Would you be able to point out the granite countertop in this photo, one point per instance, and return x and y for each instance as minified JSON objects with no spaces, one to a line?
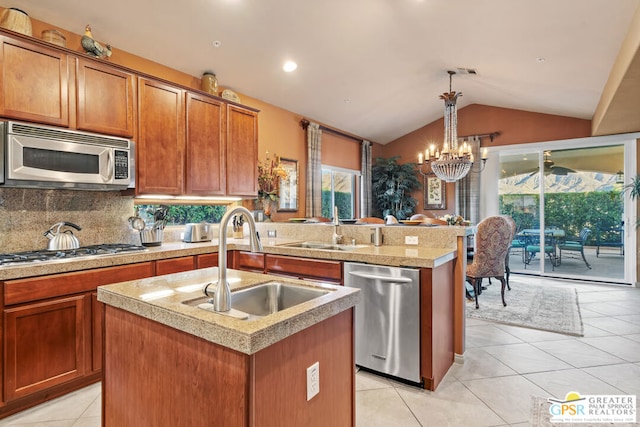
{"x":396,"y":256}
{"x":160,"y":299}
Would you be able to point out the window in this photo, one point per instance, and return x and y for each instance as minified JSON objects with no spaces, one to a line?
{"x":339,"y":189}
{"x":183,"y":214}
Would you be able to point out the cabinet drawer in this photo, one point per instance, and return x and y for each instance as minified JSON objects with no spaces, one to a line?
{"x":174,"y":265}
{"x":304,"y":268}
{"x":206,"y":260}
{"x":39,"y":288}
{"x":248,"y":261}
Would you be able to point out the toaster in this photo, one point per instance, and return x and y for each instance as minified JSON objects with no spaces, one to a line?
{"x":200,"y":232}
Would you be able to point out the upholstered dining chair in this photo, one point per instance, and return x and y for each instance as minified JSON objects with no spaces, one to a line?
{"x":512,"y":242}
{"x":492,"y":240}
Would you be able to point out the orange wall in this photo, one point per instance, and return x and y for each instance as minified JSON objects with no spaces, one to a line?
{"x":515,"y":127}
{"x":340,"y":151}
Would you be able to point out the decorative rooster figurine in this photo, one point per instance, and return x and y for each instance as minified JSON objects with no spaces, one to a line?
{"x":92,"y":47}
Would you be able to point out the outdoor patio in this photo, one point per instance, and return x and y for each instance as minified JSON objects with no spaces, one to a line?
{"x":608,"y":266}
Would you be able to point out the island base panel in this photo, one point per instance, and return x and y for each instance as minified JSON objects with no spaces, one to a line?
{"x":158,"y":376}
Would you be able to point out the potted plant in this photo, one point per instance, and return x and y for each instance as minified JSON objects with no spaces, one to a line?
{"x":392,"y":185}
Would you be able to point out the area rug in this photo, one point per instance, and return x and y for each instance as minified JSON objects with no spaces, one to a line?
{"x":540,"y":416}
{"x":538,"y":306}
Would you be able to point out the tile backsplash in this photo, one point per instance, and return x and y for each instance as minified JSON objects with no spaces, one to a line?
{"x":25,"y":214}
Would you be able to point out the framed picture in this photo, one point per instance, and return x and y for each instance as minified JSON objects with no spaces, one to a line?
{"x":289,"y":186}
{"x":434,"y":193}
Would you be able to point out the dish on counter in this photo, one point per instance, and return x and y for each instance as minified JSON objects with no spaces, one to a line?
{"x":411,"y":221}
{"x":348,"y":221}
{"x":297,"y":219}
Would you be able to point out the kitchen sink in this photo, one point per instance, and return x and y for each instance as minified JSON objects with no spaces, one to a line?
{"x":264,"y":299}
{"x":320,"y":245}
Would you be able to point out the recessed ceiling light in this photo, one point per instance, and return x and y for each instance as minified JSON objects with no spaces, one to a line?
{"x":540,"y":59}
{"x":217,"y":43}
{"x":289,"y":66}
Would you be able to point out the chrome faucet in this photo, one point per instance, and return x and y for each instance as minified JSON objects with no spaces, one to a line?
{"x":336,"y":238}
{"x":222,"y":297}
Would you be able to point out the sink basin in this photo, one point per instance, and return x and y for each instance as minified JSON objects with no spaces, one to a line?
{"x":320,"y":245}
{"x":266,"y":298}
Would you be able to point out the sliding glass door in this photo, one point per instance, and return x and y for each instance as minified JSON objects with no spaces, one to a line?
{"x":574,"y":218}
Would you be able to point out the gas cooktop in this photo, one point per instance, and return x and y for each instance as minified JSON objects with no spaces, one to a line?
{"x":84,"y":251}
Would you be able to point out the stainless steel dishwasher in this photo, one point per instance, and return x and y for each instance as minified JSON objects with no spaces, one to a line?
{"x":387,"y":326}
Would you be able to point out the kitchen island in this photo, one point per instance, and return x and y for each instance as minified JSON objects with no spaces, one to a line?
{"x":170,"y":363}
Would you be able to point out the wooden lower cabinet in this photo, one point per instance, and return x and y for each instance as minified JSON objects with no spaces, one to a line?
{"x":436,"y":323}
{"x":44,"y":345}
{"x":51,"y":333}
{"x":157,"y":375}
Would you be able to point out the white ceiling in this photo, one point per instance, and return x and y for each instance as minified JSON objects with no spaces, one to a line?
{"x":388,"y":57}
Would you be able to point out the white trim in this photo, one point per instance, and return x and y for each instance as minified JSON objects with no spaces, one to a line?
{"x":489,"y":191}
{"x":343,"y":170}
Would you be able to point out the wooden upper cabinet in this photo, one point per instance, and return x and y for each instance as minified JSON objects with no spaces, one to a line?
{"x":33,"y":83}
{"x":105,"y":99}
{"x":161,"y":136}
{"x":242,"y":151}
{"x":205,"y":156}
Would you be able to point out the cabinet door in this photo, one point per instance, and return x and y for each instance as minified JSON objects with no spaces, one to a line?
{"x":160,"y":147}
{"x":33,"y":83}
{"x":105,"y":99}
{"x":242,"y":152}
{"x":205,"y":146}
{"x":44,"y":345}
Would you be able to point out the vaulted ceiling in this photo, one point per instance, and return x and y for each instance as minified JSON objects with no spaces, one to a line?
{"x":375,"y":68}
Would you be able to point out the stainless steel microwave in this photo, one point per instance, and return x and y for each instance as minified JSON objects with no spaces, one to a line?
{"x":36,"y":156}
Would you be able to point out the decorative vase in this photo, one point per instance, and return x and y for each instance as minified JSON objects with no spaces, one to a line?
{"x":267,"y":207}
{"x":209,"y":83}
{"x":16,"y":20}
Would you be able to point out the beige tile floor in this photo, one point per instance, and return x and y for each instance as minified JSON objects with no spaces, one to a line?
{"x":504,"y":366}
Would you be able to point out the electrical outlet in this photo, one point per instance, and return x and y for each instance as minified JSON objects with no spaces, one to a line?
{"x":313,"y":380}
{"x":410,"y":240}
{"x":271,"y":233}
{"x":181,"y":236}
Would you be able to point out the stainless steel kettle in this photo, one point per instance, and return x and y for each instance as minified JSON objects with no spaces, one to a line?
{"x":62,"y":240}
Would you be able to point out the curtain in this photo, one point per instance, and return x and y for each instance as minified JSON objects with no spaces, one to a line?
{"x":468,"y":188}
{"x":365,"y":180}
{"x":314,"y":171}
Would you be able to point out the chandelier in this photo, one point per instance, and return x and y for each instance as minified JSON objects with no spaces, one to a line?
{"x":452,"y":162}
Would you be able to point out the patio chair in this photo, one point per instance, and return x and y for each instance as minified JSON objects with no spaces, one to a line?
{"x":533,"y":247}
{"x":575,"y":245}
{"x":492,"y":240}
{"x":610,"y":237}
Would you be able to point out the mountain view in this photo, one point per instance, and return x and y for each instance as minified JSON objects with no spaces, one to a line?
{"x":580,"y":182}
